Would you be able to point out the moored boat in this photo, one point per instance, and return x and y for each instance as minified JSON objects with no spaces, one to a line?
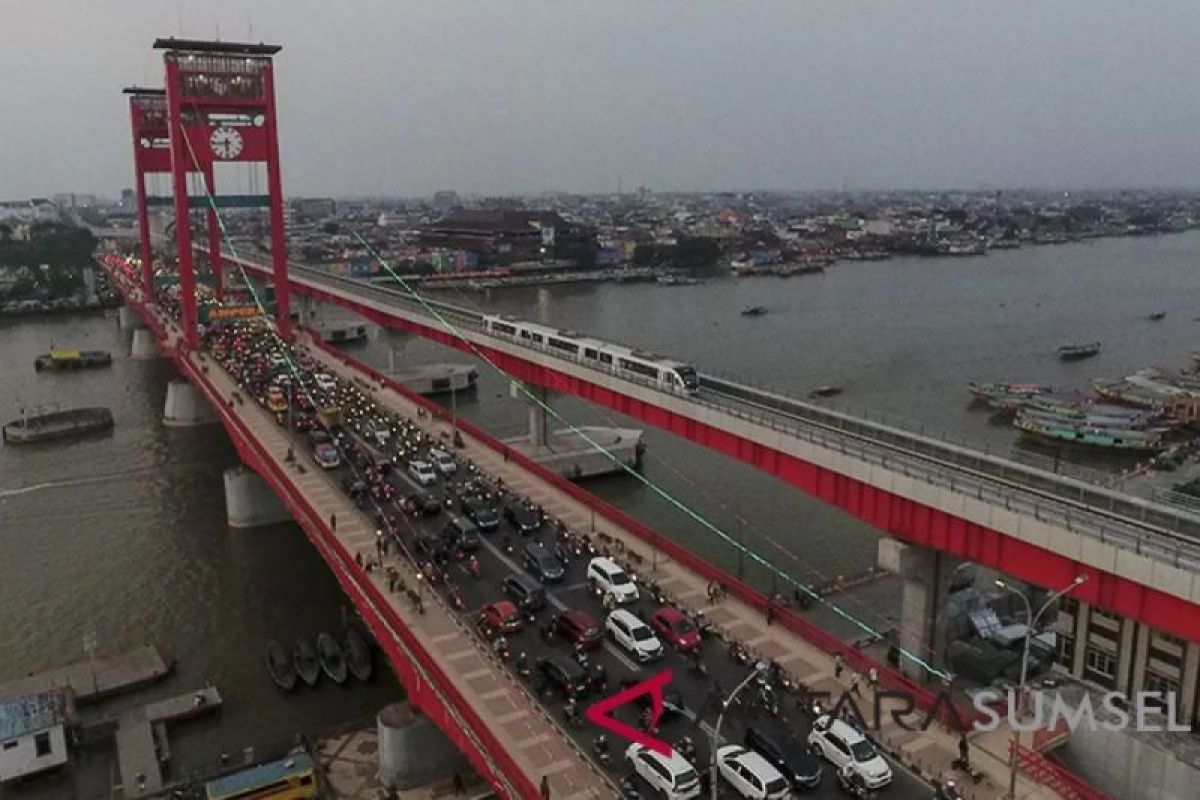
{"x":67,"y":360}
{"x":1157,"y":316}
{"x":358,"y":655}
{"x":1062,"y":431}
{"x":41,"y":425}
{"x":828,"y":390}
{"x":1006,"y":398}
{"x":308,"y":666}
{"x":280,"y":666}
{"x":333,"y":660}
{"x":1074,"y":352}
{"x":754,"y":311}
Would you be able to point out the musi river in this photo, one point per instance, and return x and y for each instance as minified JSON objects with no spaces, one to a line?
{"x":125,"y":535}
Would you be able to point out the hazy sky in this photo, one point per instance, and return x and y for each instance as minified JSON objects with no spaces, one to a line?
{"x":405,"y":97}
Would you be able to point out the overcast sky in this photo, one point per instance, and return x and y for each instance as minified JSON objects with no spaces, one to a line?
{"x":405,"y":98}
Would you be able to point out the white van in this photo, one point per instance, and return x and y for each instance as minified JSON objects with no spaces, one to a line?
{"x":844,"y":746}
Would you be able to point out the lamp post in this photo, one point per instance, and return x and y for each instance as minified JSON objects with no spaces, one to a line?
{"x":1031,"y":620}
{"x":715,"y":740}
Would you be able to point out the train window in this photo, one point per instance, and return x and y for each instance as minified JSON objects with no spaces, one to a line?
{"x":589,"y":353}
{"x":638,"y":368}
{"x":559,"y":344}
{"x":605,"y":358}
{"x":503,"y":327}
{"x":525,"y":334}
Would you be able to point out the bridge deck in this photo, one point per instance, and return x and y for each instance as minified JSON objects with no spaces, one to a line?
{"x":533,"y":741}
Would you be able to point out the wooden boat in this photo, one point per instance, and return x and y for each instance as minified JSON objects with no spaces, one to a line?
{"x":754,"y":311}
{"x":333,"y":660}
{"x":358,"y":655}
{"x":42,"y":425}
{"x":828,"y":390}
{"x":1074,"y":352}
{"x":305,"y":660}
{"x":1157,"y":315}
{"x":63,"y":360}
{"x":280,"y":666}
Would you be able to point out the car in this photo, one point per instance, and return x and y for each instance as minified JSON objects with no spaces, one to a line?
{"x":327,"y":456}
{"x":671,"y":775}
{"x":792,"y":759}
{"x":378,"y":433}
{"x":565,"y":674}
{"x":751,"y":775}
{"x":523,"y":590}
{"x":460,"y":534}
{"x":481,"y":512}
{"x":325,"y":382}
{"x":422,"y":472}
{"x":606,"y":577}
{"x":430,"y":548}
{"x":443,"y":461}
{"x":673,"y":626}
{"x":543,"y":564}
{"x":500,"y":616}
{"x":522,"y":517}
{"x":578,"y":628}
{"x":842,"y":746}
{"x":422,"y":503}
{"x":633,"y":635}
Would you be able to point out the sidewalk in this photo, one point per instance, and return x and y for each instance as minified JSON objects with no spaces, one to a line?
{"x":927,"y":752}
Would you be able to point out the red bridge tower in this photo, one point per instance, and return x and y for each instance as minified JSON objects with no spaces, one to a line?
{"x":220,"y":101}
{"x":151,"y":154}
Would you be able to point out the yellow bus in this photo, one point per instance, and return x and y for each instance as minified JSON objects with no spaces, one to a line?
{"x":290,"y":778}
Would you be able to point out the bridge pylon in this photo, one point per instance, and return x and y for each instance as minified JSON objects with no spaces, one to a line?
{"x":220,"y":100}
{"x":151,"y":155}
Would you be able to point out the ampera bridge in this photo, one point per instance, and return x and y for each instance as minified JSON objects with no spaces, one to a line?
{"x":938,"y":503}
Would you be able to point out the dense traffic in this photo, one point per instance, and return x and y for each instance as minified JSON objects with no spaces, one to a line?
{"x":574,"y":614}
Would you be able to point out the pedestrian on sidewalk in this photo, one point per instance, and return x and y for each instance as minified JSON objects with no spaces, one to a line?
{"x":854,"y":690}
{"x":964,"y":752}
{"x":770,"y":611}
{"x":545,"y":787}
{"x":837,"y":666}
{"x":333,"y":522}
{"x":873,"y":678}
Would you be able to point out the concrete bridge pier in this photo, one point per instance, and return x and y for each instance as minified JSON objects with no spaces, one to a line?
{"x":928,"y":575}
{"x":185,"y":406}
{"x":144,"y":346}
{"x":128,"y":319}
{"x":249,"y":500}
{"x":538,"y":416}
{"x":412,"y":751}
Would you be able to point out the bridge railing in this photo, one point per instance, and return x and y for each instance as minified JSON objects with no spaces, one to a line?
{"x":1130,"y":523}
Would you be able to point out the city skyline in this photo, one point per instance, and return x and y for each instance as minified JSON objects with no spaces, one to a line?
{"x":522,"y":98}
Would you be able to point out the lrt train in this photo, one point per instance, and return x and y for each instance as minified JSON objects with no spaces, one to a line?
{"x":637,"y":365}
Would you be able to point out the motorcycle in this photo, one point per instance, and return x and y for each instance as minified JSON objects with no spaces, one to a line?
{"x":687,"y":748}
{"x":600,"y":748}
{"x":501,"y":649}
{"x":850,"y":783}
{"x":572,"y":714}
{"x":474,"y":567}
{"x":698,"y":664}
{"x":522,"y":666}
{"x":598,"y":677}
{"x":549,"y":632}
{"x":703,"y":625}
{"x":767,"y":700}
{"x":457,"y":602}
{"x":947,"y":791}
{"x":629,"y":789}
{"x":738,"y":653}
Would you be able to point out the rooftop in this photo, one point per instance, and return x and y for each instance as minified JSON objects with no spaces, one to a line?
{"x":207,"y":46}
{"x":32,"y":713}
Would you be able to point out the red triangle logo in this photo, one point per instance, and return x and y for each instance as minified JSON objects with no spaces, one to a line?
{"x":598,"y":713}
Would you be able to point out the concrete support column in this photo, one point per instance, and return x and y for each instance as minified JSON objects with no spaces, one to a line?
{"x":539,"y":431}
{"x":144,"y":346}
{"x":128,"y":319}
{"x":249,"y":501}
{"x":1082,"y":621}
{"x":412,"y":751}
{"x":927,"y":575}
{"x":1187,"y":683}
{"x":185,"y":406}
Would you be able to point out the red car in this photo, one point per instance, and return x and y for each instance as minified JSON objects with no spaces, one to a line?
{"x":500,"y":616}
{"x":577,"y":627}
{"x":674,"y":627}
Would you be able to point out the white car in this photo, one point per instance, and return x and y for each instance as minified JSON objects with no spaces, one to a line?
{"x":750,"y":774}
{"x":843,"y":746}
{"x":380,"y":433}
{"x":633,"y":635}
{"x":325,"y":382}
{"x":422,"y":472}
{"x":671,"y":775}
{"x":443,"y":461}
{"x":606,"y":577}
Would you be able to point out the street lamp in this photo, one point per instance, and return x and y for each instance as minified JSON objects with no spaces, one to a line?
{"x":1031,"y":620}
{"x":760,"y":668}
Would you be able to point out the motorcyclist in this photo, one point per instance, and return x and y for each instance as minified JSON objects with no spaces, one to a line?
{"x":522,"y":664}
{"x":851,"y":781}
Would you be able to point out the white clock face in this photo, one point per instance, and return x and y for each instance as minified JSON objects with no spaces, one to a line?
{"x":226,"y":143}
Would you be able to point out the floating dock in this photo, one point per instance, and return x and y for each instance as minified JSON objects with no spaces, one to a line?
{"x":429,"y":379}
{"x":573,"y":457}
{"x":142,"y":746}
{"x":97,"y":679}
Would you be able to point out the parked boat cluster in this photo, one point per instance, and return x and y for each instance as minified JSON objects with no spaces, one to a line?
{"x":1150,"y":411}
{"x":336,"y":659}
